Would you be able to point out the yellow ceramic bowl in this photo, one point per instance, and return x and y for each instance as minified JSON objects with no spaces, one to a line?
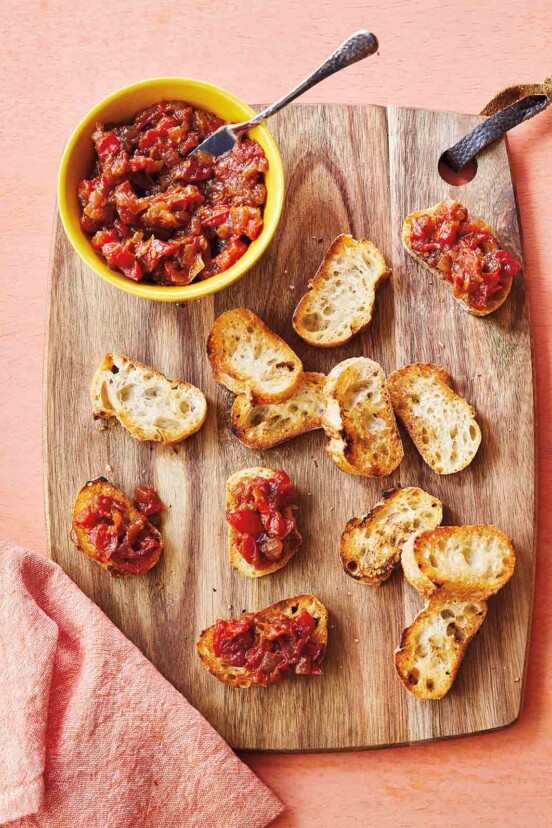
{"x":122,"y":106}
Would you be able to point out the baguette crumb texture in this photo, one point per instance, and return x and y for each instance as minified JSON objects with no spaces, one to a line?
{"x":340,"y":299}
{"x":457,"y":568}
{"x":248,"y":358}
{"x":267,"y":425}
{"x":433,"y":646}
{"x":236,"y":558}
{"x":441,"y":424}
{"x":358,"y":419}
{"x":371,"y":546}
{"x":239,"y":676}
{"x":148,"y":404}
{"x":465,"y":561}
{"x":499,"y":299}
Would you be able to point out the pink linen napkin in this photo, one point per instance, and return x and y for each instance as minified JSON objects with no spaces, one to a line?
{"x":91,"y":735}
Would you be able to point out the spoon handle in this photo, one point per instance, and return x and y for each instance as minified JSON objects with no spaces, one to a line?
{"x":358,"y":46}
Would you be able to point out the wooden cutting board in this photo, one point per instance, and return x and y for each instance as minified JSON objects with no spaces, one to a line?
{"x":349,"y":169}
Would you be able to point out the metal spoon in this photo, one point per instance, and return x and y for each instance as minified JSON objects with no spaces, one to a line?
{"x":360,"y":45}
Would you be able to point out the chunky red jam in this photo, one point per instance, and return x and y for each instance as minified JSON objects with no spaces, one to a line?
{"x":147,"y":500}
{"x":466,"y":252}
{"x":270,"y":649}
{"x":263,"y":520}
{"x":125,"y":542}
{"x":156,"y":213}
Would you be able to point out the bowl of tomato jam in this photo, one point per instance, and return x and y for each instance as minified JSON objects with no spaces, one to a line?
{"x":154,"y":220}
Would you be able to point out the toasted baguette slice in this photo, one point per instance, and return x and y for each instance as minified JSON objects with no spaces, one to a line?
{"x":359,"y":420}
{"x":265,"y":426}
{"x":236,"y":558}
{"x":441,"y":424}
{"x":146,"y":403}
{"x":114,"y":565}
{"x":467,"y":561}
{"x":248,"y":358}
{"x":494,"y":302}
{"x":433,"y":646}
{"x":371,"y":546}
{"x":340,"y":298}
{"x":241,"y":676}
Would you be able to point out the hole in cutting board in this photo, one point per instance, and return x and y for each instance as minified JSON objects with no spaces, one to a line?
{"x":458,"y":179}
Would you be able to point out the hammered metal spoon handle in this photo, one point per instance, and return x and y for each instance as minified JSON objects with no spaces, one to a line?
{"x":360,"y":45}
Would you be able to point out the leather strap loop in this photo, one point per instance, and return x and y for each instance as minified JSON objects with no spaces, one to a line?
{"x":509,"y":108}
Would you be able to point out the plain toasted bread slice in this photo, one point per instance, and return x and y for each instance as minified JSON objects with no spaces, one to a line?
{"x":433,"y":646}
{"x":248,"y":358}
{"x":371,"y":546}
{"x":101,"y":486}
{"x":359,"y":420}
{"x":340,"y":298}
{"x":465,"y":561}
{"x":265,"y":426}
{"x":441,"y":424}
{"x":240,"y":676}
{"x":493,"y":304}
{"x":236,"y":558}
{"x":145,"y":402}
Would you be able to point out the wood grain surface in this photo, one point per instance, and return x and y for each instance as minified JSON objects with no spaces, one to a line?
{"x":349,"y":169}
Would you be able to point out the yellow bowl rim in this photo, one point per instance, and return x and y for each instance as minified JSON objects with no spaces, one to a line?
{"x":164,"y":293}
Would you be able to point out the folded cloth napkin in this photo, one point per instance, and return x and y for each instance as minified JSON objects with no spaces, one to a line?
{"x":91,"y":735}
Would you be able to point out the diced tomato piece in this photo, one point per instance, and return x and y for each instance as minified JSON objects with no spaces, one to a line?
{"x":150,"y":115}
{"x":250,"y":156}
{"x":197,"y":167}
{"x":88,"y":225}
{"x":129,"y":206}
{"x":249,"y":550}
{"x":270,"y":548}
{"x":146,"y":543}
{"x":275,"y":524}
{"x":285,"y":490}
{"x":254,"y":657}
{"x":245,"y":520}
{"x":106,"y":143}
{"x":147,"y":500}
{"x":305,"y":623}
{"x":507,"y":264}
{"x":143,"y":163}
{"x":233,"y":251}
{"x":121,"y":228}
{"x":104,"y":236}
{"x":214,"y":216}
{"x":447,"y":232}
{"x":105,"y":540}
{"x":85,"y":189}
{"x":122,"y":259}
{"x":152,"y":251}
{"x":205,"y":122}
{"x":100,"y":508}
{"x":232,"y":639}
{"x":150,"y":138}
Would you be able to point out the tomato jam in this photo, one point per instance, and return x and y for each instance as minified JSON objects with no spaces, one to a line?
{"x":156,"y":213}
{"x":125,"y":542}
{"x":466,"y":252}
{"x":147,"y":500}
{"x":262,"y":518}
{"x":269,"y":649}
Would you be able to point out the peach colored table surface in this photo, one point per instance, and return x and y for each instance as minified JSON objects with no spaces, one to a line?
{"x":57,"y":60}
